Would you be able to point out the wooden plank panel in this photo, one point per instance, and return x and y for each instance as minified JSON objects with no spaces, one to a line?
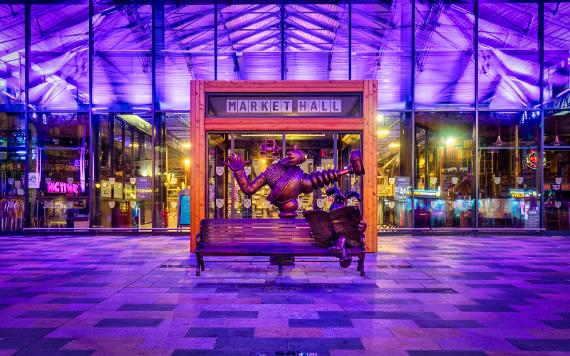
{"x":370,"y":196}
{"x":197,"y":158}
{"x":284,"y":124}
{"x":291,"y":86}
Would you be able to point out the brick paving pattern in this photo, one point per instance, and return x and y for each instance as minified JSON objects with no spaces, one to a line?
{"x":434,"y":295}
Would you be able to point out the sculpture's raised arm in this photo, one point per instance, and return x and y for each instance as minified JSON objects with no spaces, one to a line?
{"x":236,"y":164}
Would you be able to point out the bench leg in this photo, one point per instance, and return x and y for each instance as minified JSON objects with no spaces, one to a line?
{"x":360,"y":267}
{"x":280,"y":267}
{"x":202,"y":266}
{"x":198,"y":265}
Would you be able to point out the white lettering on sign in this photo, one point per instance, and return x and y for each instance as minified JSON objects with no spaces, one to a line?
{"x":283,"y":106}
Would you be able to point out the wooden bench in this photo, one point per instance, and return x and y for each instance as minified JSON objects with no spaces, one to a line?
{"x":277,"y":238}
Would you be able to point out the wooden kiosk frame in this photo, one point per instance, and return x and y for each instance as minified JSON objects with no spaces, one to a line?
{"x":200,"y":125}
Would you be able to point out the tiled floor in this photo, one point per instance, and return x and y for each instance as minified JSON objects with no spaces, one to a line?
{"x":110,"y":295}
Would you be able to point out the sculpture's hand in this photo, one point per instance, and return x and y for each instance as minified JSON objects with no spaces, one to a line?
{"x":361,"y":226}
{"x":236,"y":163}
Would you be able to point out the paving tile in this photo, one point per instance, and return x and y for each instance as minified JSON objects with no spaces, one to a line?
{"x":485,"y":308}
{"x":446,"y":353}
{"x":223,"y":314}
{"x":127,"y":323}
{"x":25,"y":332}
{"x":220,"y":332}
{"x":452,"y":324}
{"x":321,"y":323}
{"x":541,"y":344}
{"x":50,"y":314}
{"x":147,"y":307}
{"x":71,"y":300}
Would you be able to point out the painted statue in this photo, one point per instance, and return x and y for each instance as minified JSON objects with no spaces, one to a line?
{"x":286,"y":179}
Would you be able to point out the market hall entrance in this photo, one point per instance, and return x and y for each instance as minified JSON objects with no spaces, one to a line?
{"x":262,"y":120}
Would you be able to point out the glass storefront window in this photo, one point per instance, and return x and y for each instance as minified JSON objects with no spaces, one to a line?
{"x":12,"y":58}
{"x":557,"y":188}
{"x":59,"y":57}
{"x":557,"y":170}
{"x":508,"y":195}
{"x":12,"y":183}
{"x":219,"y":146}
{"x":508,"y":162}
{"x":316,"y":49}
{"x":12,"y":129}
{"x":122,"y":61}
{"x":391,"y":66}
{"x":444,"y":186}
{"x":175,"y":168}
{"x":58,"y":184}
{"x":509,"y":67}
{"x":557,"y":128}
{"x":123,"y":187}
{"x":514,"y":129}
{"x":393,"y":155}
{"x":556,"y":47}
{"x":445,"y":63}
{"x":257,"y":42}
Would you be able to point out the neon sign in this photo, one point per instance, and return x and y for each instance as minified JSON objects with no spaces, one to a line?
{"x":532,"y":159}
{"x":63,"y":188}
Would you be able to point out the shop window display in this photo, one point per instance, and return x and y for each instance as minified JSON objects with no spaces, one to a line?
{"x":12,"y":130}
{"x":123,"y":187}
{"x":175,"y":167}
{"x":508,"y":165}
{"x":557,"y":170}
{"x":444,"y":194}
{"x":393,"y":154}
{"x":12,"y":175}
{"x":58,"y":185}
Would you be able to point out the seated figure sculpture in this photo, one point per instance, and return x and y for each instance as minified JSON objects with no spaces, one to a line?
{"x":287,"y":180}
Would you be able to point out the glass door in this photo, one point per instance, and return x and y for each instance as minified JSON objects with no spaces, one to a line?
{"x":12,"y":173}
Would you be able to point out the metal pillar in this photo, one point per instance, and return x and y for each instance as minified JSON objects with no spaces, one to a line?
{"x":27,"y":47}
{"x":476,"y":98}
{"x":540,"y":165}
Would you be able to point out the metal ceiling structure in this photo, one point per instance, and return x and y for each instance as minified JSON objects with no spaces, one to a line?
{"x":145,"y":52}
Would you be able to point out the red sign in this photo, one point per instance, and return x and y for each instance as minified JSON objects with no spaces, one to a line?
{"x":63,"y":188}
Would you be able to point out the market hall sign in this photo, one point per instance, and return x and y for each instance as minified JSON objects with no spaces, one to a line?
{"x":279,"y":105}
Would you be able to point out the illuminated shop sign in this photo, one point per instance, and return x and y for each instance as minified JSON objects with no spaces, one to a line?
{"x":279,"y":105}
{"x":426,"y":193}
{"x":521,"y":193}
{"x":63,"y":188}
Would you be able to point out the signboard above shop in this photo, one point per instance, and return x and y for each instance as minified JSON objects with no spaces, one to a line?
{"x":266,"y":105}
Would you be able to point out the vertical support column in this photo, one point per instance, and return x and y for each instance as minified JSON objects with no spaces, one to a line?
{"x":370,"y":180}
{"x":232,"y":204}
{"x":27,"y":39}
{"x":93,"y":131}
{"x":540,"y":165}
{"x":413,"y":106}
{"x":476,"y":97}
{"x":216,"y":40}
{"x":158,"y":129}
{"x":198,"y":158}
{"x":349,"y":39}
{"x":282,"y":29}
